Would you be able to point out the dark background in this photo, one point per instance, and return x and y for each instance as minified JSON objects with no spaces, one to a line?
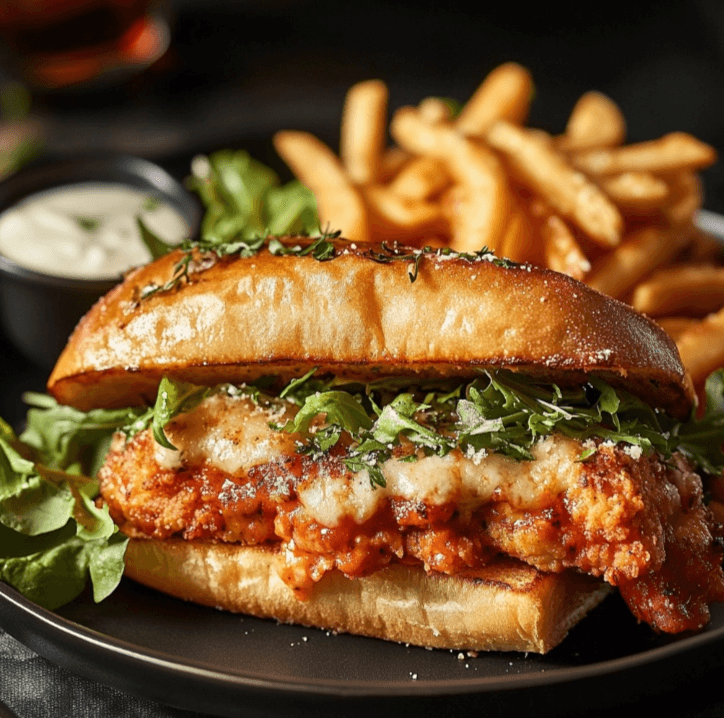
{"x":239,"y":70}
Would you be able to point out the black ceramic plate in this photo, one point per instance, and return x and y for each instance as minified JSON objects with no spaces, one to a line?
{"x":191,"y":657}
{"x":188,"y":656}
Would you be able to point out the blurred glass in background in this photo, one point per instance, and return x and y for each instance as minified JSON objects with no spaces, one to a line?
{"x":64,"y":44}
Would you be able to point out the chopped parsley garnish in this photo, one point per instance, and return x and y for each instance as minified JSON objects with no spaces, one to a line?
{"x":88,"y":224}
{"x":150,"y":204}
{"x":390,"y":253}
{"x":247,"y":210}
{"x":500,"y":412}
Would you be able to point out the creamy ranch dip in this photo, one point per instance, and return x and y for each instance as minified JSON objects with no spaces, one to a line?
{"x":86,"y":230}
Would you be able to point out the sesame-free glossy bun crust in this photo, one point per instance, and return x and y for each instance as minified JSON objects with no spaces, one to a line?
{"x":505,"y":606}
{"x":242,"y":318}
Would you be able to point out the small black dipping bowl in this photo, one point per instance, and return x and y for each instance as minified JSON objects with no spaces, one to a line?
{"x":39,"y":311}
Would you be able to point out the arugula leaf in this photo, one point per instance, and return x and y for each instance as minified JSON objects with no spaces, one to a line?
{"x":106,"y":564}
{"x":50,"y":572}
{"x":501,"y":412}
{"x":290,"y":209}
{"x":290,"y":389}
{"x":28,"y":503}
{"x":701,"y":439}
{"x":62,"y":436}
{"x":245,"y":200}
{"x":397,"y":418}
{"x":174,"y":397}
{"x":339,"y":408}
{"x":53,"y":568}
{"x":53,"y":537}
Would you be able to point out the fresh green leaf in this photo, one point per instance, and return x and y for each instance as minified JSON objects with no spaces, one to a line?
{"x":500,"y":412}
{"x":701,"y":439}
{"x":53,"y":536}
{"x":107,"y":562}
{"x":62,"y":436}
{"x":397,"y":418}
{"x":50,"y":577}
{"x":244,"y":200}
{"x":290,"y":388}
{"x":53,"y":568}
{"x":714,"y":392}
{"x":174,"y":397}
{"x":39,"y":508}
{"x":7,"y":432}
{"x":338,"y":408}
{"x":290,"y":209}
{"x":155,"y":245}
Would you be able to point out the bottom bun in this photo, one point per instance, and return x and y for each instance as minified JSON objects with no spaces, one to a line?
{"x":506,"y":606}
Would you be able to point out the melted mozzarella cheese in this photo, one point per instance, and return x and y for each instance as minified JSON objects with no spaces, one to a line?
{"x":233,"y":435}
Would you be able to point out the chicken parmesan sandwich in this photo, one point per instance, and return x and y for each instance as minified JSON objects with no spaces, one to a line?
{"x":441,"y":449}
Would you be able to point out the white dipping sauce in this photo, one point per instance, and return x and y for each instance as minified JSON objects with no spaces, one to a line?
{"x":86,"y":230}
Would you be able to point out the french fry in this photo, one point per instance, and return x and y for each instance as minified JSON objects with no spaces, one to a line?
{"x":517,"y":243}
{"x":637,"y":256}
{"x":421,"y":179}
{"x":702,"y":346}
{"x":425,"y":175}
{"x":489,"y":202}
{"x":392,"y":161}
{"x":485,"y":204}
{"x":546,"y":172}
{"x":340,"y":204}
{"x":596,"y":121}
{"x":401,"y":217}
{"x":435,"y":109}
{"x":693,"y":290}
{"x":363,"y":131}
{"x":676,"y":326}
{"x":671,"y":153}
{"x":635,"y":190}
{"x":505,"y":94}
{"x":418,"y":137}
{"x":685,"y":198}
{"x":562,"y":252}
{"x":704,"y":248}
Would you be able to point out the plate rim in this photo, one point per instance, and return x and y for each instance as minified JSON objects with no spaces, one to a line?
{"x":61,"y":626}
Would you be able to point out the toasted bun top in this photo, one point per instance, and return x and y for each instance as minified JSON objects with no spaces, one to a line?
{"x":236,"y":319}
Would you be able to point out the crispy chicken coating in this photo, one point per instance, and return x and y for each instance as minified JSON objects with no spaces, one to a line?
{"x":635,"y":521}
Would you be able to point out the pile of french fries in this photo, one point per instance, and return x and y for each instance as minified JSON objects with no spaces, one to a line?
{"x":619,"y":217}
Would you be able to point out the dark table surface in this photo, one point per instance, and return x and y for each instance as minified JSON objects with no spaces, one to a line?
{"x":238,"y":71}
